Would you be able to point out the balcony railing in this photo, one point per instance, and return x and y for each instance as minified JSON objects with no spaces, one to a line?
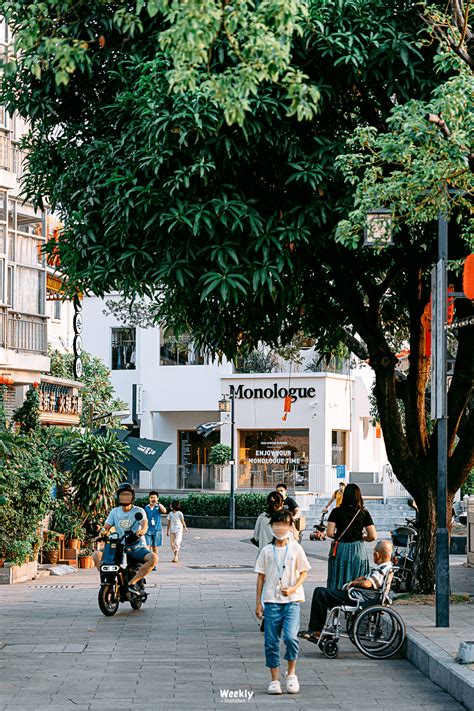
{"x":23,"y":332}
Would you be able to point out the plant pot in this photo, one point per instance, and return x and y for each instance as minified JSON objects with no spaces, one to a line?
{"x":86,"y":561}
{"x":73,"y":543}
{"x":2,"y":562}
{"x":50,"y":557}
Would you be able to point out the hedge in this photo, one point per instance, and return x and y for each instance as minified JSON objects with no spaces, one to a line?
{"x":215,"y":504}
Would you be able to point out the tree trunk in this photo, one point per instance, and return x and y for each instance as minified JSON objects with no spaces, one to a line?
{"x":425,"y":560}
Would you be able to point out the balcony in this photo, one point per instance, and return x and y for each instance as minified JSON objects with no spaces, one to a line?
{"x":23,"y":332}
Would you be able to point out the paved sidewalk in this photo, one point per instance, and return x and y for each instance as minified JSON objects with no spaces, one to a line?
{"x":195,"y":638}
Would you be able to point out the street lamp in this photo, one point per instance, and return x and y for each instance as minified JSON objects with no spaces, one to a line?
{"x":378,"y":231}
{"x":226,"y":404}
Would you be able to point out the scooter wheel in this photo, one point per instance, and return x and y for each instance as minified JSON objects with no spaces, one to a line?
{"x":136,"y":603}
{"x":108,"y":602}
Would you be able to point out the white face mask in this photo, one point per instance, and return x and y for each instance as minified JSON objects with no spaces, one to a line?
{"x":281,"y":536}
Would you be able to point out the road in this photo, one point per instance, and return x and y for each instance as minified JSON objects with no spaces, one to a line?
{"x":195,"y":640}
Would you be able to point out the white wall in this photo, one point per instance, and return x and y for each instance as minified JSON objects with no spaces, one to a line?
{"x":61,"y":331}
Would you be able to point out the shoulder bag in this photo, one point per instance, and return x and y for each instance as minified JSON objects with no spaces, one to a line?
{"x":335,"y":545}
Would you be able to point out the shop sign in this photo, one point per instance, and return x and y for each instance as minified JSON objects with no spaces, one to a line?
{"x":270,"y":393}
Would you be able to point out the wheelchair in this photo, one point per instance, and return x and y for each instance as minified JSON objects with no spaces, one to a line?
{"x":373,"y":627}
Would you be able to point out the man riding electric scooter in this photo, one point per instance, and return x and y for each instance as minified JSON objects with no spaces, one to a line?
{"x":122,"y":518}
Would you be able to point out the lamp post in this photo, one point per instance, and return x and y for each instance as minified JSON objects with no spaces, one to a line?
{"x":439,"y":413}
{"x":227,"y":404}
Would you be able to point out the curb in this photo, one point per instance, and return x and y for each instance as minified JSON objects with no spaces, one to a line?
{"x":440,"y":667}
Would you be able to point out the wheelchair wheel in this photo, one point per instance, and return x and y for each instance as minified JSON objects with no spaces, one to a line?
{"x":379,"y":632}
{"x":330,"y":648}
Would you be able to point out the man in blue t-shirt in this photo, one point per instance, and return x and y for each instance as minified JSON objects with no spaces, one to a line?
{"x":122,"y":519}
{"x":153,"y":512}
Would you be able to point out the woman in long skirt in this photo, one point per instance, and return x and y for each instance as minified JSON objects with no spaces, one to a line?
{"x":350,"y":525}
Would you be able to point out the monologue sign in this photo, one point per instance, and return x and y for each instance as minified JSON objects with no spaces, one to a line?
{"x":271,"y":392}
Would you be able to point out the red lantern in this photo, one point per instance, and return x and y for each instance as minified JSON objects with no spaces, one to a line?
{"x":468,"y":277}
{"x":287,"y":406}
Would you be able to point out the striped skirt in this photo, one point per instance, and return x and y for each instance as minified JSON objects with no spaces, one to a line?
{"x":351,"y":562}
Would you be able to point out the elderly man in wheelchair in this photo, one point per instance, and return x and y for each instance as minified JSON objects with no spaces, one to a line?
{"x":364,"y":604}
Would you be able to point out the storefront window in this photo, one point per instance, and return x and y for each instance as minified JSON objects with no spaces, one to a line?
{"x":123,"y":349}
{"x":338,"y":447}
{"x":267,"y":457}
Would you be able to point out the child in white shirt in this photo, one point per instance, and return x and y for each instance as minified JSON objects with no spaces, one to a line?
{"x":282,"y":568}
{"x":176,"y":526}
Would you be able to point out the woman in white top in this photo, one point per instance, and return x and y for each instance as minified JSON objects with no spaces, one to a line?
{"x":176,"y":526}
{"x":263,"y":533}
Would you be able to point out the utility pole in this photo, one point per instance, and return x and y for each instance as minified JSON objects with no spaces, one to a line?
{"x":232,"y":461}
{"x":439,"y":385}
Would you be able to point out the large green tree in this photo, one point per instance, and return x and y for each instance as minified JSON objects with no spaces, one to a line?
{"x":248,"y":233}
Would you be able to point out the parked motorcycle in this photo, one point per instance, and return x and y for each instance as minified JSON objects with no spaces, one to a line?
{"x":116,"y":571}
{"x":406,"y":538}
{"x":319,"y":529}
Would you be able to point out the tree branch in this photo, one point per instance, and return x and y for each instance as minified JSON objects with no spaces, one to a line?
{"x":357,"y":347}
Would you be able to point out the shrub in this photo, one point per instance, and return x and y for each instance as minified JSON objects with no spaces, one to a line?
{"x":26,"y":482}
{"x":215,"y":504}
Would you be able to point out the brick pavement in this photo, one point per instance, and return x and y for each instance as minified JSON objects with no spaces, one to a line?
{"x":195,"y":637}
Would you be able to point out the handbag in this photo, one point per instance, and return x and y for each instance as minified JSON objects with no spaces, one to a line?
{"x":333,"y":551}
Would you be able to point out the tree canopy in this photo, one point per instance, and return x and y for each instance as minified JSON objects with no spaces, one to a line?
{"x":252,"y":232}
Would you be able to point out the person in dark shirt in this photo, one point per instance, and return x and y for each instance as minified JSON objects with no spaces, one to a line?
{"x":288,"y":502}
{"x":365,"y":588}
{"x":350,"y":525}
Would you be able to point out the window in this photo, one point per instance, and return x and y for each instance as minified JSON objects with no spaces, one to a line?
{"x":338,"y":447}
{"x":123,"y":349}
{"x":41,"y":293}
{"x":57,"y":309}
{"x":11,"y":287}
{"x":180,"y":350}
{"x":2,"y":280}
{"x":267,"y":457}
{"x":5,"y":151}
{"x":5,"y":118}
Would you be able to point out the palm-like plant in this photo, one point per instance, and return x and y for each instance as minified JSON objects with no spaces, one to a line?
{"x":96,"y":471}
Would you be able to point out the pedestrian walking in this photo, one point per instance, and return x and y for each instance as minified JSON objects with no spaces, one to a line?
{"x":262,"y":533}
{"x":282,"y":568}
{"x":350,"y":524}
{"x":336,"y":498}
{"x":154,"y":534}
{"x":176,"y":526}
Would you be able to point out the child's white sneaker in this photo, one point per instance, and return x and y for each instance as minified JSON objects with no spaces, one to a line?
{"x":292,"y":684}
{"x":274,"y":687}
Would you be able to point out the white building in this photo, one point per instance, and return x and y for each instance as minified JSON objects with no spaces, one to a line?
{"x":329,"y":424}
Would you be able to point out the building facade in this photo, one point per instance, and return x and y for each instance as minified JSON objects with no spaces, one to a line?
{"x":327,"y":433}
{"x":32,"y":312}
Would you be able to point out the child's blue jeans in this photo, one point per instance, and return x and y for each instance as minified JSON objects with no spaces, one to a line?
{"x":281,"y":617}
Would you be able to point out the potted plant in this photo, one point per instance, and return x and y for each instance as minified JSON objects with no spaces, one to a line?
{"x":50,"y":551}
{"x":85,"y":558}
{"x":68,"y":520}
{"x":219,"y":456}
